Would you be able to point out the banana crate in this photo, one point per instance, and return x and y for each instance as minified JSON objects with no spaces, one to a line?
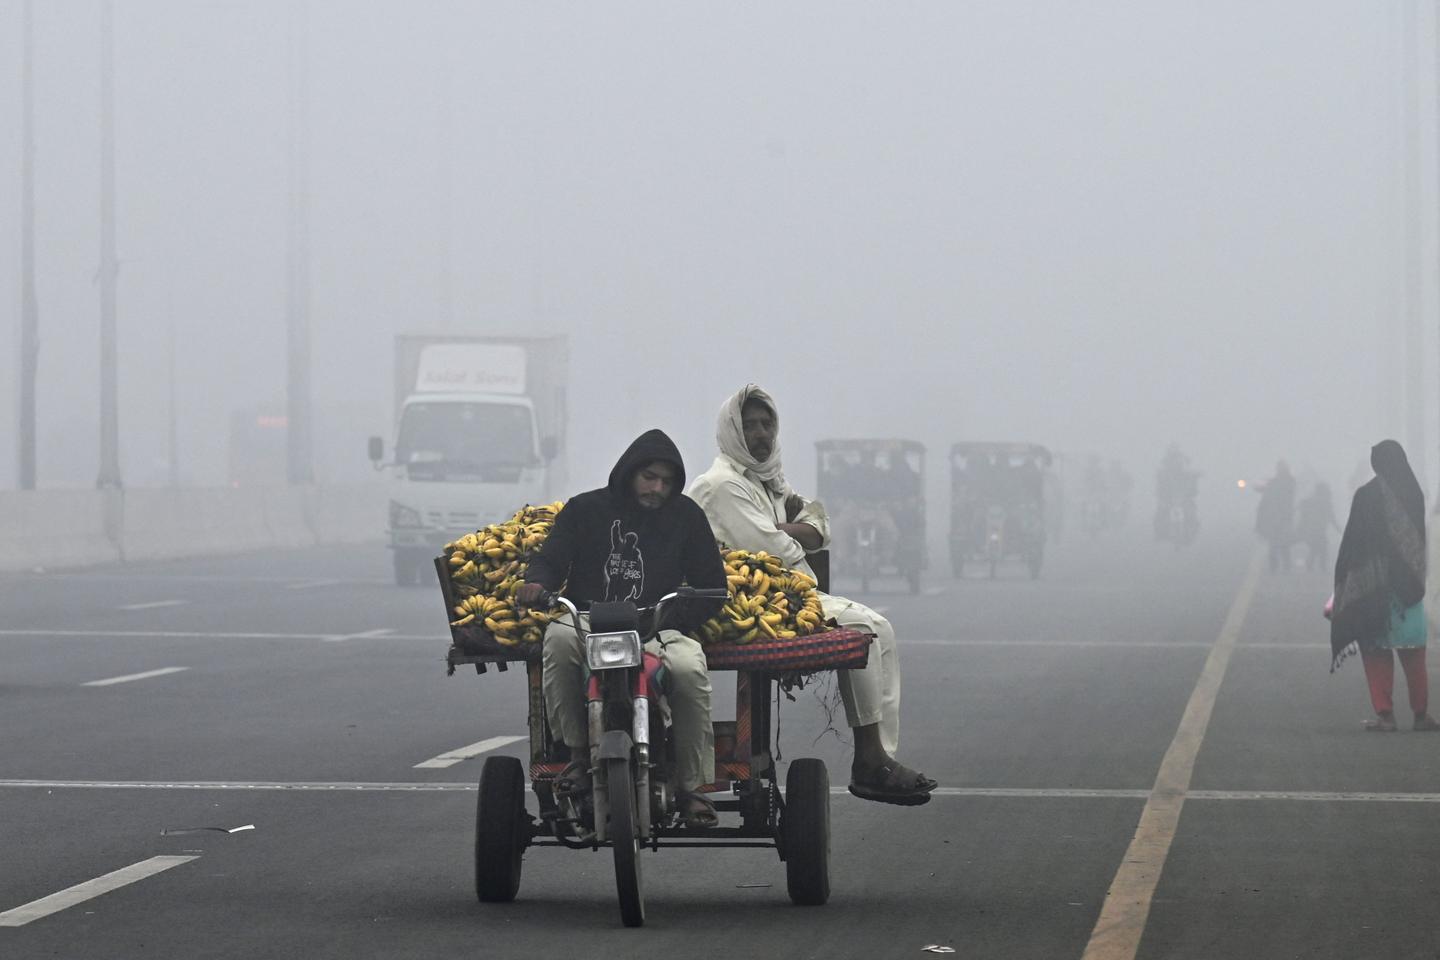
{"x":472,"y":643}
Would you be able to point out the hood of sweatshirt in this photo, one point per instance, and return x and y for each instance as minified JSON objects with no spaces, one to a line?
{"x":650,"y":446}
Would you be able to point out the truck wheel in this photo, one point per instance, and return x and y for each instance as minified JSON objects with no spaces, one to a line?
{"x":407,"y":573}
{"x":805,"y":832}
{"x":502,"y":831}
{"x":629,"y":879}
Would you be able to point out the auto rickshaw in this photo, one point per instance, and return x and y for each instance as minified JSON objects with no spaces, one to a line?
{"x":997,"y":505}
{"x":874,"y":491}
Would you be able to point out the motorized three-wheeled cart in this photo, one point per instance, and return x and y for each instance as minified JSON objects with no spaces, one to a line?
{"x":874,"y":491}
{"x":753,"y":811}
{"x":997,"y":505}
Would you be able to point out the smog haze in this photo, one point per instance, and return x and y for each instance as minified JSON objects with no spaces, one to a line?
{"x":1103,"y":227}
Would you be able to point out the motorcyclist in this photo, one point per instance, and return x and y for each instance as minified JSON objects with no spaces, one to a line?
{"x":1175,"y":484}
{"x":1117,"y":487}
{"x":636,"y":539}
{"x":1275,"y":517}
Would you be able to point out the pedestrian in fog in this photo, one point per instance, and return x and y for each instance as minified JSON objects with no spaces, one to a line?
{"x":1317,"y":516}
{"x":1275,"y":519}
{"x":1380,"y":587}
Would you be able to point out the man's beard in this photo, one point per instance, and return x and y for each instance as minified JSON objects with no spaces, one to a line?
{"x":651,"y":501}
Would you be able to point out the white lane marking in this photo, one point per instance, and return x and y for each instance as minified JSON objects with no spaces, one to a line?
{"x":1126,"y":911}
{"x":70,"y":896}
{"x":180,"y":578}
{"x":312,"y":584}
{"x":452,"y":757}
{"x":437,"y":638}
{"x":366,"y":635}
{"x":155,"y":604}
{"x":420,"y":786}
{"x":110,"y":681}
{"x":1043,"y":793}
{"x":934,"y":591}
{"x":1310,"y":648}
{"x":182,"y":634}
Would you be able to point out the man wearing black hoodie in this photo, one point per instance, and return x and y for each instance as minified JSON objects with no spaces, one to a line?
{"x":636,"y":539}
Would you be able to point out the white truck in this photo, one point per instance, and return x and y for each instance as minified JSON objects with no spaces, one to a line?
{"x":479,"y":433}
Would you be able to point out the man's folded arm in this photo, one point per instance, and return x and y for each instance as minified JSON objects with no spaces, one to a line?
{"x":750,"y":526}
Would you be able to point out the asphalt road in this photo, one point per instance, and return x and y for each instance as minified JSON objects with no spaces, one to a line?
{"x":303,"y":689}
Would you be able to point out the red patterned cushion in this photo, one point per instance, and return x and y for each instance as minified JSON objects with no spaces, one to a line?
{"x":838,"y":649}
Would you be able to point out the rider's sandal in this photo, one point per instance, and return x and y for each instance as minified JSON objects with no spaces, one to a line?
{"x":702,"y":817}
{"x":893,"y":782}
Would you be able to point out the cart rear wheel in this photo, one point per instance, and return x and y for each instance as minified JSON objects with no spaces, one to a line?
{"x":502,"y":831}
{"x":629,"y":879}
{"x":805,"y":830}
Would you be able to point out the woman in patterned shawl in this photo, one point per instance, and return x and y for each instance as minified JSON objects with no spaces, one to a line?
{"x":1380,"y":587}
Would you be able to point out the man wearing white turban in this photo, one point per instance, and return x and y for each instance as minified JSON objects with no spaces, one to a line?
{"x":751,"y":507}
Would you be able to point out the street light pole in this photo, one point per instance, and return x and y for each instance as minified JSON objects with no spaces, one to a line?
{"x":173,"y":411}
{"x":29,"y":309}
{"x":299,"y":466}
{"x":109,"y":267}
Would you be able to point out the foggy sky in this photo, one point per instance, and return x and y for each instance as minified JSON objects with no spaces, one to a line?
{"x":1102,"y":226}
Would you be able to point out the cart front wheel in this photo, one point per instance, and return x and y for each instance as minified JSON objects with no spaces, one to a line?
{"x":629,"y":879}
{"x":805,"y":831}
{"x":502,"y":831}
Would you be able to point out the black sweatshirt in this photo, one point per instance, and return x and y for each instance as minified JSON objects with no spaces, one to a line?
{"x":606,"y":546}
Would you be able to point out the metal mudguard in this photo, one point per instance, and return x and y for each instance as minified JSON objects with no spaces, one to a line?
{"x":615,"y":745}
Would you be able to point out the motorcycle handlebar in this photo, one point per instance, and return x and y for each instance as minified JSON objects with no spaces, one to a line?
{"x":549,"y":599}
{"x":702,"y":593}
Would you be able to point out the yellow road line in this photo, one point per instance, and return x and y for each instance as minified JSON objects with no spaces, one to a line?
{"x":1117,"y":932}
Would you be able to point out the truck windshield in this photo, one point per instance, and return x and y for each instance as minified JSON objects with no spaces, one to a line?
{"x":466,"y":441}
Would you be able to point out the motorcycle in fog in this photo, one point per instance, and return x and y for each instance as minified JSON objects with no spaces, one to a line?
{"x":867,"y":549}
{"x":995,"y":518}
{"x":1177,"y":523}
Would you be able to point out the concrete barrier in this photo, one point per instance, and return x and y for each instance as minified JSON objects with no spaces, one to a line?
{"x":165,"y":523}
{"x":286,"y":513}
{"x":55,"y":528}
{"x":76,"y":528}
{"x":354,"y":513}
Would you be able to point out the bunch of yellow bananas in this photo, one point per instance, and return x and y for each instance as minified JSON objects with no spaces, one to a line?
{"x":488,"y":567}
{"x":767,"y":602}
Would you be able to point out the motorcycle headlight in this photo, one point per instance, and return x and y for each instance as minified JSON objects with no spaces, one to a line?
{"x":403,"y":516}
{"x":612,"y":651}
